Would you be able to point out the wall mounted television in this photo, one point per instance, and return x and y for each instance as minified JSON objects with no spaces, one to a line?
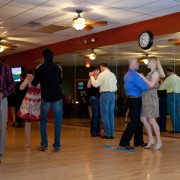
{"x":16,"y":71}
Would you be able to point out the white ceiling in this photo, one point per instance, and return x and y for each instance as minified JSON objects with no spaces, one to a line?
{"x":16,"y":16}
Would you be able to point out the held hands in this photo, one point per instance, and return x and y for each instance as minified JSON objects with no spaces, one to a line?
{"x":91,"y":74}
{"x":29,"y":77}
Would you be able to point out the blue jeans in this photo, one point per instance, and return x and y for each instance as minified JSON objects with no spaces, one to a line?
{"x":107,"y":104}
{"x":57,"y":113}
{"x":95,"y":120}
{"x":173,"y":107}
{"x":162,"y":113}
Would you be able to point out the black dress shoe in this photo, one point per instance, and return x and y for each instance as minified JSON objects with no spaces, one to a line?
{"x":111,"y":137}
{"x":142,"y":145}
{"x":106,"y":137}
{"x":93,"y":135}
{"x":127,"y":147}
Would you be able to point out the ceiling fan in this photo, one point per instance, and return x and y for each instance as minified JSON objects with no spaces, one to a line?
{"x":6,"y":47}
{"x":91,"y":56}
{"x":78,"y":24}
{"x":175,"y":40}
{"x":144,"y":60}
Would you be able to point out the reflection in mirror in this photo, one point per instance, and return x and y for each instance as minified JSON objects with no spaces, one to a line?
{"x":76,"y":75}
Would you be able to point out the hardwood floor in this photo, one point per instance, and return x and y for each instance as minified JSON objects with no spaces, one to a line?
{"x":82,"y":157}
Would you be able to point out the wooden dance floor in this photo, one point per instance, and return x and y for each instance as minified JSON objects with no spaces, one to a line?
{"x":83,"y":157}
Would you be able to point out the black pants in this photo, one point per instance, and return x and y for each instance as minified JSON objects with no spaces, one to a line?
{"x":135,"y":127}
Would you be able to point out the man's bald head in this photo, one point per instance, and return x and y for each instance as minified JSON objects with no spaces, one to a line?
{"x":133,"y":64}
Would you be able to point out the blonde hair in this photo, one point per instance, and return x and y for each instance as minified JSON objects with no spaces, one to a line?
{"x":156,"y":65}
{"x":38,"y":62}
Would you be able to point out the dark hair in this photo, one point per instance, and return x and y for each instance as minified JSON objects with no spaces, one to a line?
{"x":169,"y":69}
{"x":96,"y":68}
{"x":23,"y":75}
{"x":48,"y":54}
{"x":105,"y":65}
{"x":29,"y":71}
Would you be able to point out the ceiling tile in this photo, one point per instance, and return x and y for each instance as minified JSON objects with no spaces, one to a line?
{"x":103,"y":2}
{"x":11,"y":23}
{"x":129,"y":4}
{"x":5,"y":1}
{"x":166,"y":11}
{"x":156,"y":6}
{"x":54,"y":5}
{"x":31,"y":15}
{"x":27,"y":3}
{"x":121,"y":16}
{"x":11,"y":11}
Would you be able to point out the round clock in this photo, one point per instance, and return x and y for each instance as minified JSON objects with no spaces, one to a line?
{"x":146,"y":40}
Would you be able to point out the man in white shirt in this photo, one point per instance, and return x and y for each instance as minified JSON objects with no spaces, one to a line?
{"x":108,"y":85}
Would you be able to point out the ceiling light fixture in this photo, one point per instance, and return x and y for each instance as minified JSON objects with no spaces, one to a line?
{"x":2,"y":48}
{"x":92,"y":56}
{"x":79,"y":23}
{"x":145,"y":60}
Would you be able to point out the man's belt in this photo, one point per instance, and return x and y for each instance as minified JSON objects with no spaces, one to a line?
{"x":132,"y":97}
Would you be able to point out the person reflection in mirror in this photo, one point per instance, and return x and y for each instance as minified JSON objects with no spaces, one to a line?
{"x":93,"y":92}
{"x":172,"y":86}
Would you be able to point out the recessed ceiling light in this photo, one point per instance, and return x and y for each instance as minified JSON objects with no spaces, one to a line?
{"x":1,"y":22}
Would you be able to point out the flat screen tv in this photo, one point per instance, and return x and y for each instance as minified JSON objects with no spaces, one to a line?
{"x":80,"y":85}
{"x":16,"y":71}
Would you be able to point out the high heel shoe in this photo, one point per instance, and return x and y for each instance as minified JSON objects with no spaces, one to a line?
{"x":149,"y":145}
{"x":158,"y":146}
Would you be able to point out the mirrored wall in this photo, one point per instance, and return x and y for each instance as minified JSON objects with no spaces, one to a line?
{"x":76,"y":67}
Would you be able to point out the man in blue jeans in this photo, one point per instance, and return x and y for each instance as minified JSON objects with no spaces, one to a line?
{"x":49,"y":75}
{"x":108,"y":85}
{"x":172,"y":86}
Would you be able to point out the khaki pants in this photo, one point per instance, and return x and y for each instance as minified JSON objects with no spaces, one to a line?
{"x":3,"y":124}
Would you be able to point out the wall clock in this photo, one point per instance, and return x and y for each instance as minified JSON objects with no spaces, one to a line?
{"x":146,"y":40}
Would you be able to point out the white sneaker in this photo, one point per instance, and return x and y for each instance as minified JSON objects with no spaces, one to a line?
{"x":150,"y":144}
{"x":158,"y":146}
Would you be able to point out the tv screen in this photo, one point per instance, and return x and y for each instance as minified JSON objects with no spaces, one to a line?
{"x":16,"y":71}
{"x":80,"y":85}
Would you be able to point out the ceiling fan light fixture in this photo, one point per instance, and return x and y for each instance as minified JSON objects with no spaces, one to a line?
{"x":145,"y":61}
{"x":79,"y":23}
{"x":92,"y":56}
{"x":2,"y":48}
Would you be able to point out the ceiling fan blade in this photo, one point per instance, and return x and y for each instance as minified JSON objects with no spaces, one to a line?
{"x":88,"y":27}
{"x":177,"y":43}
{"x":10,"y":47}
{"x":52,"y":28}
{"x":86,"y":55}
{"x":174,"y":40}
{"x":101,"y":23}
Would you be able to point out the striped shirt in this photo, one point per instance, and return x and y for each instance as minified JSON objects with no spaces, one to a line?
{"x":6,"y":80}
